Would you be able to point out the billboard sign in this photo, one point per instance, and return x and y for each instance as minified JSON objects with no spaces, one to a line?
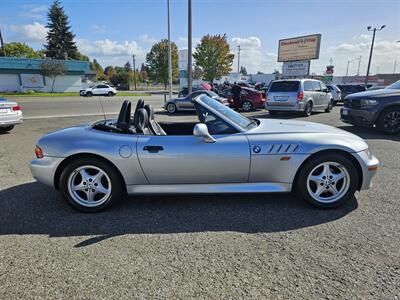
{"x":32,"y":82}
{"x":299,"y":48}
{"x":296,"y":68}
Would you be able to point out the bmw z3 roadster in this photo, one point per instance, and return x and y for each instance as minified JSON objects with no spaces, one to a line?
{"x":93,"y":165}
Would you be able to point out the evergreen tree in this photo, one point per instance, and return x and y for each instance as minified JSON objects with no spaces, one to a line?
{"x":60,"y":39}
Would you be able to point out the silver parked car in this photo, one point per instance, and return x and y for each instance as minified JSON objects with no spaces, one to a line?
{"x":186,"y":103}
{"x":10,"y":115}
{"x":300,"y":95}
{"x":224,"y":152}
{"x":335,"y":91}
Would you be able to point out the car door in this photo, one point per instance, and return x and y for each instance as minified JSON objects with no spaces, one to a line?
{"x":188,"y":159}
{"x":325,"y":95}
{"x":317,"y":95}
{"x":97,"y":90}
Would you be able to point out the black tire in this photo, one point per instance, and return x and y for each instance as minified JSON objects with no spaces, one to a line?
{"x":273,"y":112}
{"x":171,"y":108}
{"x":247,"y":106}
{"x":301,"y":188}
{"x":89,"y":94}
{"x":329,"y":107}
{"x":110,"y":94}
{"x":116,"y":186}
{"x":308,"y":109}
{"x":7,"y":128}
{"x":389,"y":120}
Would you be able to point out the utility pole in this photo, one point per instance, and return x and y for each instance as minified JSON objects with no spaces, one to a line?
{"x":190,"y":76}
{"x":394,"y":67}
{"x":2,"y":44}
{"x":351,"y":60}
{"x":134,"y":70}
{"x":238,"y":58}
{"x":359,"y":63}
{"x":374,"y":30}
{"x":169,"y":53}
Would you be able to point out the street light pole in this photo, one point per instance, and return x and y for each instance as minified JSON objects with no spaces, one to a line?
{"x":169,"y":53}
{"x":351,"y":60}
{"x":190,"y":76}
{"x":2,"y":44}
{"x":134,"y":70}
{"x":359,"y":63}
{"x":238,"y":58}
{"x":374,"y":30}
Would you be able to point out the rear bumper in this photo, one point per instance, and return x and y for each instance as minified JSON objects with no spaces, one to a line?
{"x":44,"y":169}
{"x":7,"y":120}
{"x":299,"y":106}
{"x":361,"y":117}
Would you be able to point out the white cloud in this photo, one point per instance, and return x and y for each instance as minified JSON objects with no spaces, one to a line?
{"x":182,"y":42}
{"x":30,"y":33}
{"x":31,"y":11}
{"x":109,"y":52}
{"x":252,"y":56}
{"x":146,"y":39}
{"x":98,"y":28}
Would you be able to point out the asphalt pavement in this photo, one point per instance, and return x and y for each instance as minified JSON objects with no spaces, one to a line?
{"x":185,"y":247}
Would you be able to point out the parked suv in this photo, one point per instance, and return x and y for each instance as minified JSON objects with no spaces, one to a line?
{"x":300,"y":95}
{"x":377,"y":107}
{"x":99,"y":89}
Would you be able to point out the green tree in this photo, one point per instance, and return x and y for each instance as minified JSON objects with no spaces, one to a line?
{"x":99,"y":70}
{"x":52,"y":69}
{"x":16,"y":49}
{"x":213,"y":56}
{"x":128,"y":66}
{"x":109,"y":71}
{"x":60,"y":39}
{"x":243,"y":70}
{"x":157,"y":62}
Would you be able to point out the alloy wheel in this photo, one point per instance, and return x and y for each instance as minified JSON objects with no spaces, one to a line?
{"x":328,"y":182}
{"x":89,"y":186}
{"x":246,"y":106}
{"x":391,"y":121}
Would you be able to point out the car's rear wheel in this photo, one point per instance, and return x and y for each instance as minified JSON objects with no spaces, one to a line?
{"x":308,"y":109}
{"x":89,"y":94}
{"x":171,"y":108}
{"x":327,"y":180}
{"x":90,"y":184}
{"x":328,"y":109}
{"x":247,"y":106}
{"x":7,"y":128}
{"x":389,"y":120}
{"x":110,"y":94}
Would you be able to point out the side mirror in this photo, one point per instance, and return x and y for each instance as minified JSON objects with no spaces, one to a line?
{"x":325,"y":90}
{"x":201,"y":130}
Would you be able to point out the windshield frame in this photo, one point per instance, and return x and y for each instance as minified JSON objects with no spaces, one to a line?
{"x":395,"y":84}
{"x":220,"y":110}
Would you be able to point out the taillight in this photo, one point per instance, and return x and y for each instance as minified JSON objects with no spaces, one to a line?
{"x":300,"y":96}
{"x":16,"y":108}
{"x":38,"y":152}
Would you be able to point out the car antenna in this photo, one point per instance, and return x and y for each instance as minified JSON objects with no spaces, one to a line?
{"x":102,"y":109}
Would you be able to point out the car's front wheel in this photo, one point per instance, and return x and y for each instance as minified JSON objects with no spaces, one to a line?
{"x":389,"y":120}
{"x":110,"y":94}
{"x":171,"y":108}
{"x":89,"y":94}
{"x":90,"y":184}
{"x":327,"y":180}
{"x":7,"y":128}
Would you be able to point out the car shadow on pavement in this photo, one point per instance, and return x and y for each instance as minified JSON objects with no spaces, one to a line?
{"x":370,"y":133}
{"x":33,"y":208}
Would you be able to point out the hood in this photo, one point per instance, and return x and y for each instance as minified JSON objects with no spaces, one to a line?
{"x":374,"y":93}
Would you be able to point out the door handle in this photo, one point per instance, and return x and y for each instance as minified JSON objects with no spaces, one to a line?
{"x":153,"y":149}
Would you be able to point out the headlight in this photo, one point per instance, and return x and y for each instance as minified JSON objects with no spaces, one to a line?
{"x":368,"y":102}
{"x":368,"y":153}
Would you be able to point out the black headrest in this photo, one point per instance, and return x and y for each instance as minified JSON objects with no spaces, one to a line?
{"x":124,"y":117}
{"x":139,"y":104}
{"x":141,"y":120}
{"x":150,"y":111}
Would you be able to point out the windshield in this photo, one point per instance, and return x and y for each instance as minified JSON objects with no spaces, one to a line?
{"x":228,"y":113}
{"x":395,"y":86}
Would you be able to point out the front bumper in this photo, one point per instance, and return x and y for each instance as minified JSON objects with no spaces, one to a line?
{"x":13,"y":119}
{"x":363,"y":117}
{"x":369,"y":166}
{"x":44,"y":169}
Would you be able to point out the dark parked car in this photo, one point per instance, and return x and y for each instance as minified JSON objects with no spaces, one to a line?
{"x":347,"y":89}
{"x":377,"y":107}
{"x":249,"y":99}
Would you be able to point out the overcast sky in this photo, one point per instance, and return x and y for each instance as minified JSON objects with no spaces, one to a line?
{"x":112,"y":30}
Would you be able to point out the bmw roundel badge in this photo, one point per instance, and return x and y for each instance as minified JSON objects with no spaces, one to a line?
{"x":256,"y":149}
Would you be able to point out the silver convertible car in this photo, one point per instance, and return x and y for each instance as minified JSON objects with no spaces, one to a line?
{"x":93,"y":165}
